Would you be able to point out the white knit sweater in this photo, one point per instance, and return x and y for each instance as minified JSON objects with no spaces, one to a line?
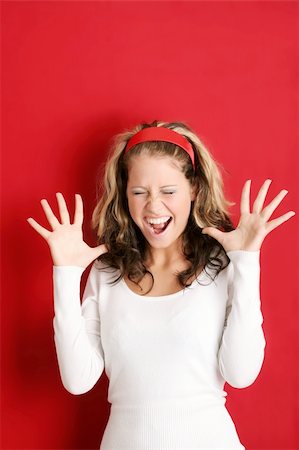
{"x":167,"y":358}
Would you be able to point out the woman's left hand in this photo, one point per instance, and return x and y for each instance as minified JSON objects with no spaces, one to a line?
{"x":252,"y":227}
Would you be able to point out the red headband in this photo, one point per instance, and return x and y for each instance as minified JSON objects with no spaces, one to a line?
{"x":161,"y":134}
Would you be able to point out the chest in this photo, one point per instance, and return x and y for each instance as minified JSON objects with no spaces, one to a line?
{"x":134,"y":325}
{"x":165,"y":283}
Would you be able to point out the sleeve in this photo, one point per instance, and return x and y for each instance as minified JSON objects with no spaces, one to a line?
{"x":241,"y":351}
{"x":77,"y":334}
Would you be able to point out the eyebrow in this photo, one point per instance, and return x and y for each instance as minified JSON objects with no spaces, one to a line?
{"x":166,"y":186}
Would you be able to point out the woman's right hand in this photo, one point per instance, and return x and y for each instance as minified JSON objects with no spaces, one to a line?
{"x":66,"y":240}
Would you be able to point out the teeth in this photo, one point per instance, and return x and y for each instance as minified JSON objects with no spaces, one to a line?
{"x":158,"y":221}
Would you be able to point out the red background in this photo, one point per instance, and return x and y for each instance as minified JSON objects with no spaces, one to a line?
{"x":73,"y":75}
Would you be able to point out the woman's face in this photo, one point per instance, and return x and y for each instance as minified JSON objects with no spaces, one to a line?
{"x":159,"y":198}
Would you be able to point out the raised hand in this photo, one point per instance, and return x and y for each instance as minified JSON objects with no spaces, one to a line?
{"x":253,"y":226}
{"x":66,"y":240}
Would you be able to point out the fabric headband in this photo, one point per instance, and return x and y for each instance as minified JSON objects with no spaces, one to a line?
{"x":161,"y":134}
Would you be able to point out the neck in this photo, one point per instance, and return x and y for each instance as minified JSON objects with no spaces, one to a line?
{"x":164,"y":257}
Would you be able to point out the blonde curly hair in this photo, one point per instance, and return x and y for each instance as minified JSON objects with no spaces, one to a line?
{"x":114,"y":226}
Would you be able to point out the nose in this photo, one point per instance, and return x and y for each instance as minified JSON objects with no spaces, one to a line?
{"x":154,"y":204}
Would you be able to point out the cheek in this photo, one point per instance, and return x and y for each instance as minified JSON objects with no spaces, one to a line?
{"x":183,"y":214}
{"x":134,"y":207}
{"x":181,"y":206}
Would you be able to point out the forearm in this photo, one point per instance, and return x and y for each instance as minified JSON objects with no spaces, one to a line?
{"x":80,"y":363}
{"x":241,"y":353}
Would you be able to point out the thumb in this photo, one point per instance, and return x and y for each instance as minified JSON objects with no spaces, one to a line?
{"x":213,"y":232}
{"x":99,"y":250}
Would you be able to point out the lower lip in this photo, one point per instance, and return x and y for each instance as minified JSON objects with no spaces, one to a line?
{"x":159,"y":235}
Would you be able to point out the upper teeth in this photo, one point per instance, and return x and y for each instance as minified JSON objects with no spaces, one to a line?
{"x":157,"y":221}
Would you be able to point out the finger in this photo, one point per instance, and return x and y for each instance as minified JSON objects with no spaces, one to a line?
{"x":78,"y":217}
{"x":245,"y":198}
{"x":41,"y":230}
{"x":269,"y":209}
{"x":259,"y":201}
{"x":214,"y":233}
{"x":100,"y":250}
{"x":276,"y":222}
{"x":64,"y":214}
{"x":52,"y":219}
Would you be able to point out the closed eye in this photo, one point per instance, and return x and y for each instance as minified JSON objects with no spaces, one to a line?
{"x":142,"y":193}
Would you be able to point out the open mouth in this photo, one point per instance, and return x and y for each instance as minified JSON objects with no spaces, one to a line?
{"x":159,"y":228}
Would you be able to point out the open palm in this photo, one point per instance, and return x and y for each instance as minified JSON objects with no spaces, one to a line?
{"x":66,"y":240}
{"x":253,"y":226}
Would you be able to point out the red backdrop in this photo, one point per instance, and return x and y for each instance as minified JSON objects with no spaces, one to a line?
{"x":73,"y":75}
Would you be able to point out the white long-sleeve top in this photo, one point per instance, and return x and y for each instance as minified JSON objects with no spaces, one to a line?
{"x":167,"y":358}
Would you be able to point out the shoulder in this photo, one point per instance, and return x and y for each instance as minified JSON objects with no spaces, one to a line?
{"x":244,"y":258}
{"x":219,"y":264}
{"x":101,"y":266}
{"x":104,"y":272}
{"x":243,"y":263}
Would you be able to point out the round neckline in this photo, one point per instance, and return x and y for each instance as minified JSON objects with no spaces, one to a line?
{"x":162,"y":297}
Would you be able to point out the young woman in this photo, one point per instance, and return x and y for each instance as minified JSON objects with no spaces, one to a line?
{"x":171,"y":308}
